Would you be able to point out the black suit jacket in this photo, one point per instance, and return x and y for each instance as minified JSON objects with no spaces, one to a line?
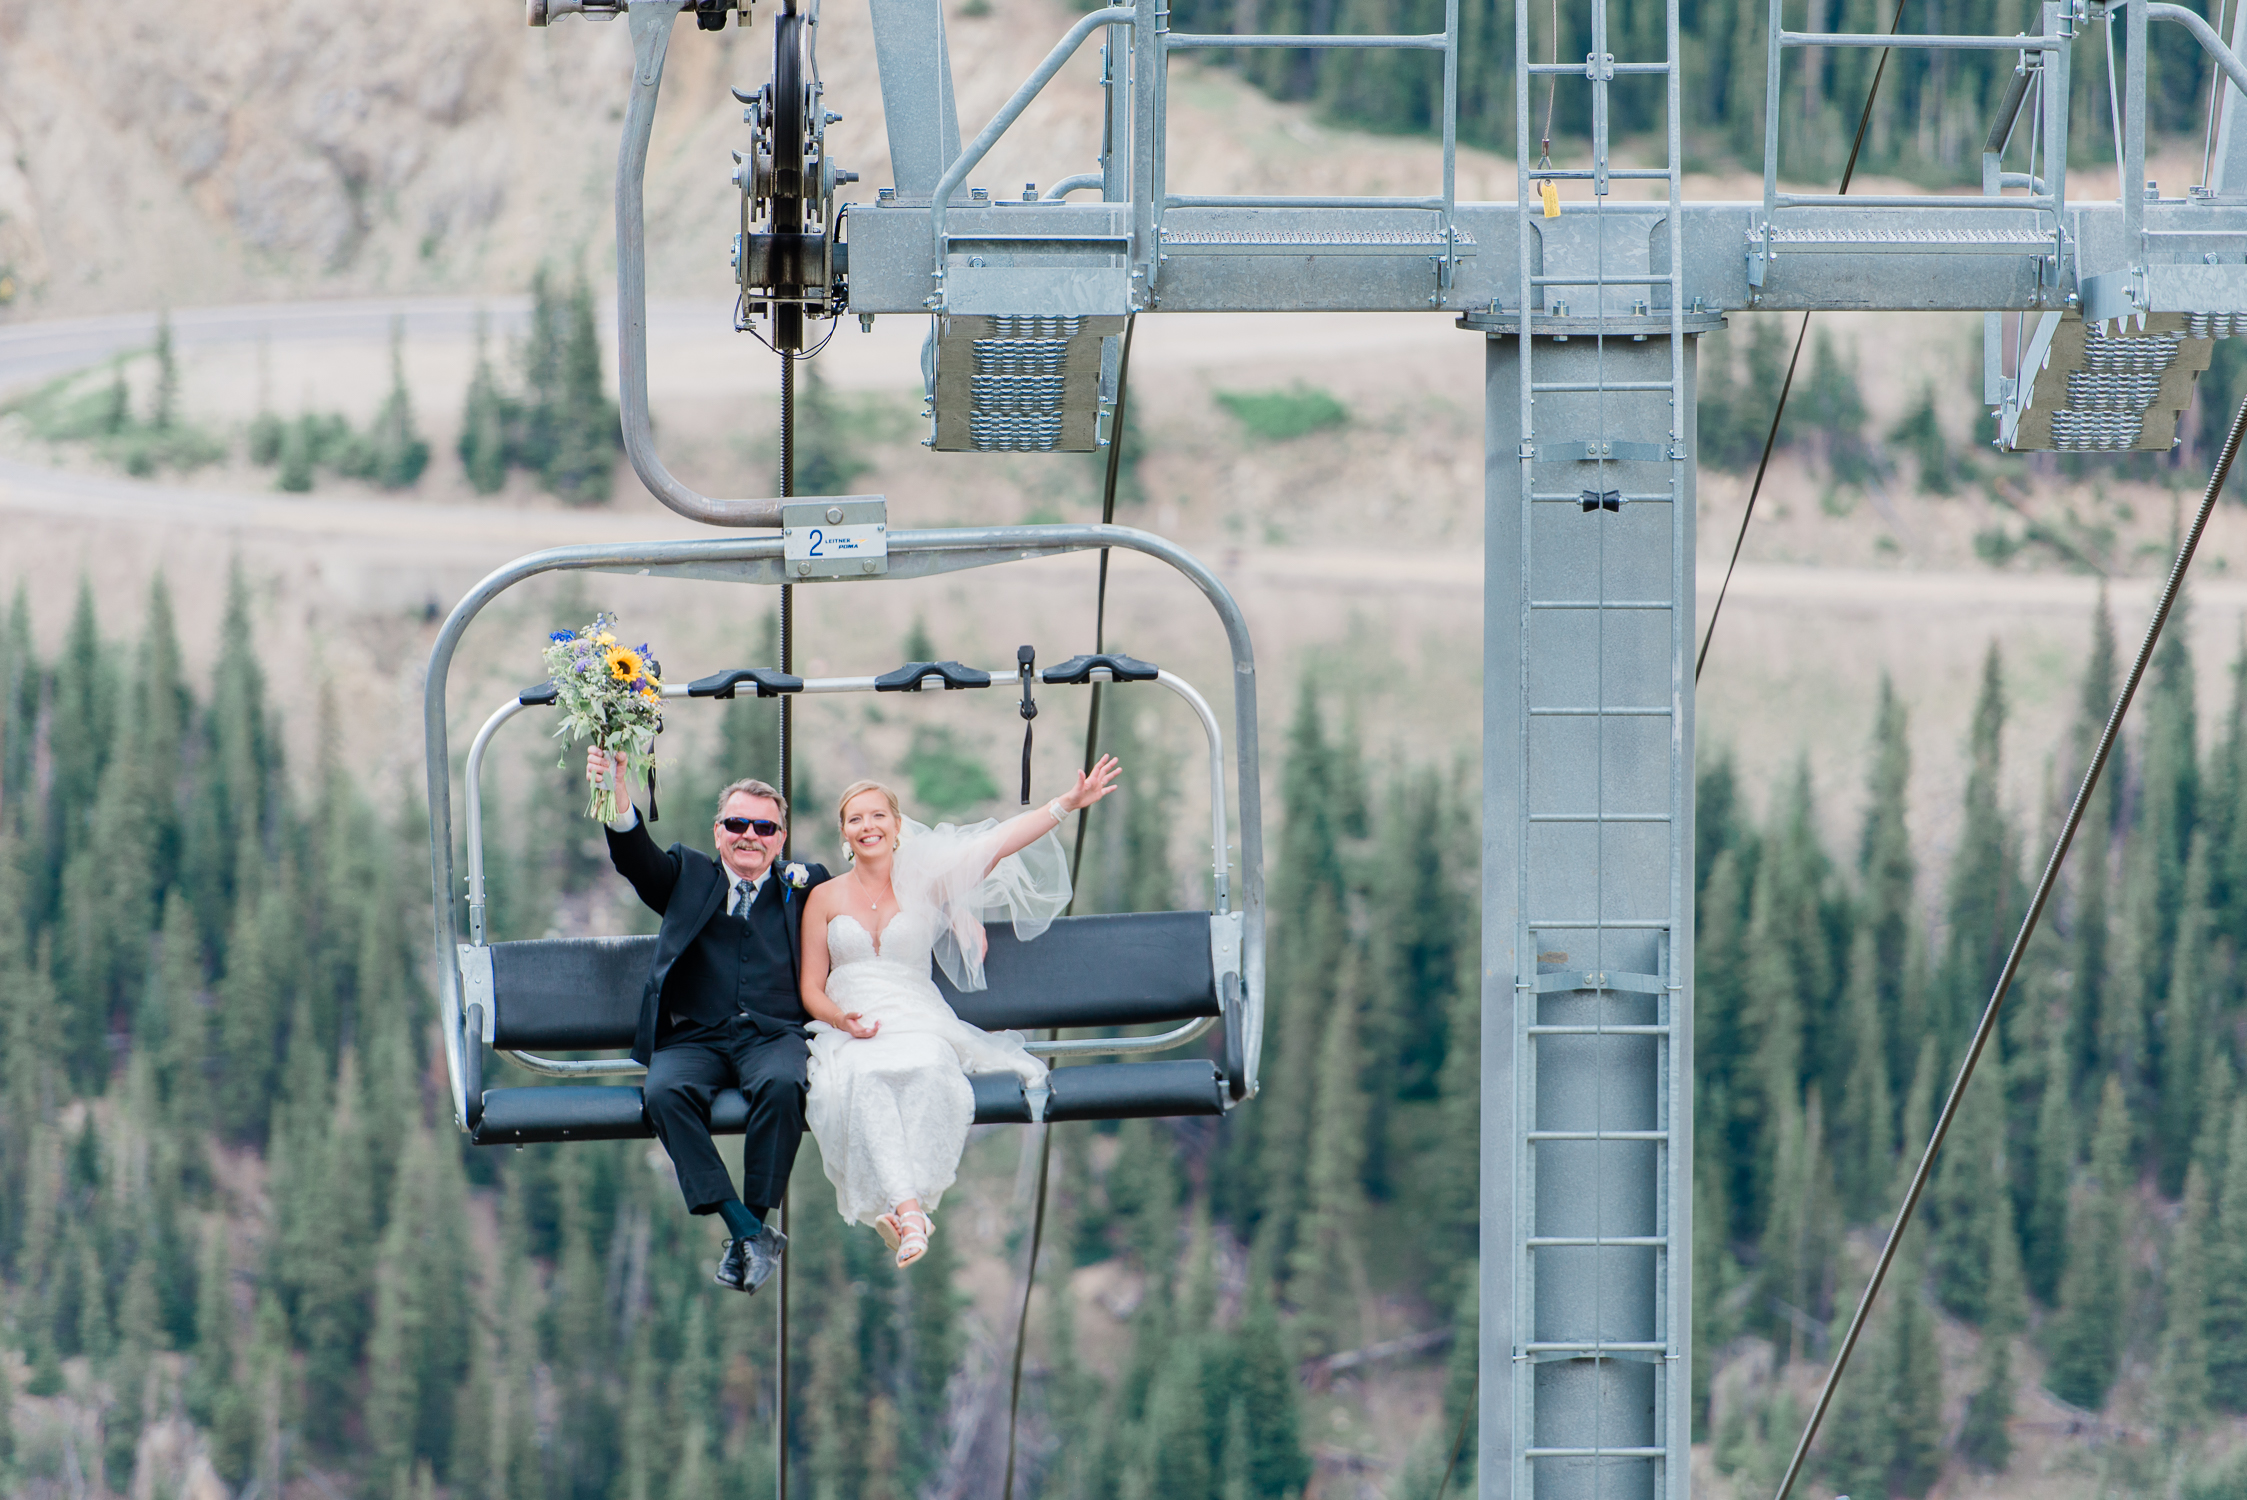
{"x":689,"y":888}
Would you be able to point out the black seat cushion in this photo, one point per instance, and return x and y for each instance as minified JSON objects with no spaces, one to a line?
{"x":1093,"y":1091}
{"x":569,"y":994}
{"x":583,"y":994}
{"x":1123,"y":970}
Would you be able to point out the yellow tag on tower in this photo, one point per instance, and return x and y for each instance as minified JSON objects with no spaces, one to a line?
{"x":1550,"y":192}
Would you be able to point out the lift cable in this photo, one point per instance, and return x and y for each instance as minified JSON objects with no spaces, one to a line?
{"x":787,"y":789}
{"x":1076,"y":863}
{"x":1459,"y":1438}
{"x":1988,"y":1024}
{"x":1771,"y":438}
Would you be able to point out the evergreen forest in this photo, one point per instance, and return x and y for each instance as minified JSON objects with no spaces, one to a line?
{"x":237,"y":1226}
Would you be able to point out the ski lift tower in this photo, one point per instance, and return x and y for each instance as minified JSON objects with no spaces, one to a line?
{"x":1589,"y":308}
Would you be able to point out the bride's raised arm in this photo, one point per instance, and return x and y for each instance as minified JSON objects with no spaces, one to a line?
{"x":1020,"y":832}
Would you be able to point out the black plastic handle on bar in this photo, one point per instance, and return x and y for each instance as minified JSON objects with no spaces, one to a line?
{"x":1120,"y":668}
{"x":1026,"y":662}
{"x":908,"y":678}
{"x":542,"y":696}
{"x":769,"y":683}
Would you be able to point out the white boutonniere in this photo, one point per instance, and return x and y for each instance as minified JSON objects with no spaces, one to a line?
{"x":796,"y":875}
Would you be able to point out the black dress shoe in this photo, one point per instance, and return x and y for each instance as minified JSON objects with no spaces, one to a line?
{"x":749,"y":1264}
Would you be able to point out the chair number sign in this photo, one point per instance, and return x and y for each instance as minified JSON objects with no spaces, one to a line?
{"x":835,"y":539}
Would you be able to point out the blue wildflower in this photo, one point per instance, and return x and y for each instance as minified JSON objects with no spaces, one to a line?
{"x":562,"y":635}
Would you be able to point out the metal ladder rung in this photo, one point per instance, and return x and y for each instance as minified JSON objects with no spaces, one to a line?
{"x":1577,"y":498}
{"x":1595,"y":387}
{"x":1432,"y":41}
{"x":1632,"y":1029}
{"x":1593,"y":924}
{"x":1596,"y":1452}
{"x":1661,"y":280}
{"x":1599,"y":817}
{"x":1622,"y":1241}
{"x":1586,"y":174}
{"x":1597,"y":1135}
{"x":1601,"y":604}
{"x":1635,"y":711}
{"x":1596,"y":1346}
{"x":1622,"y":70}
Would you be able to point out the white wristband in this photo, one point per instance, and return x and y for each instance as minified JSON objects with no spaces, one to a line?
{"x":1056,"y":812}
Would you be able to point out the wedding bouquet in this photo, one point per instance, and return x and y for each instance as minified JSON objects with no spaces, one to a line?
{"x":612,"y":695}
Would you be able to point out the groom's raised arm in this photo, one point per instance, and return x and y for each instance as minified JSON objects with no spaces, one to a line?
{"x":654,"y":872}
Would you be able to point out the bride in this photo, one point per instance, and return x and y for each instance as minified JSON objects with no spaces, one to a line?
{"x":890,"y":1103}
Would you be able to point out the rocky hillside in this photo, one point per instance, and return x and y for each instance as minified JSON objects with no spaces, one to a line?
{"x":270,"y":148}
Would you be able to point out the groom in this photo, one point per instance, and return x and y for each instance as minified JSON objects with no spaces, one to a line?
{"x":721,"y":1009}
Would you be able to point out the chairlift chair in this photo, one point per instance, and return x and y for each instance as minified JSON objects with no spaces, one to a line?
{"x":1187,"y":970}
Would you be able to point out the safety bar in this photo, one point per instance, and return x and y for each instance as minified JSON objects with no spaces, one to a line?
{"x":1928,"y":40}
{"x":980,"y":147}
{"x":1268,"y":200}
{"x":1434,"y":41}
{"x":651,"y":42}
{"x":912,"y":554}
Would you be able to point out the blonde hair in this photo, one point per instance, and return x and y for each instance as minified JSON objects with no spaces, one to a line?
{"x":842,"y":806}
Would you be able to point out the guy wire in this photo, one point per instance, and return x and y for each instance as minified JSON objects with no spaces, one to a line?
{"x":1988,"y":1024}
{"x":1076,"y":863}
{"x":1771,"y":438}
{"x":787,"y":790}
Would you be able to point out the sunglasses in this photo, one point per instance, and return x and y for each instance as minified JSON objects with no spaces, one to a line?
{"x":763,"y":828}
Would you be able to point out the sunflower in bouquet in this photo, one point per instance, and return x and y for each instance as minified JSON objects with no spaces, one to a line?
{"x":611,"y":694}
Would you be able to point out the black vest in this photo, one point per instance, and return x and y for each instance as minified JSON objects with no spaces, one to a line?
{"x":736,"y":964}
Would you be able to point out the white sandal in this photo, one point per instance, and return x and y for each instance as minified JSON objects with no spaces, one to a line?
{"x":886,"y":1227}
{"x":914,"y":1227}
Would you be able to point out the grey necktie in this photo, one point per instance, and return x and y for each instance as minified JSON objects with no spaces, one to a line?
{"x":744,"y":892}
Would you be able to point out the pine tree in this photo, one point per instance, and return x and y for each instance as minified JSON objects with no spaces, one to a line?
{"x":164,"y":708}
{"x":2086,"y":1336}
{"x":81,"y":732}
{"x":1984,"y":1439}
{"x":1969,"y":1193}
{"x":2044,"y":1226}
{"x":21,"y":688}
{"x":1985,"y":899}
{"x":1722,"y":1039}
{"x":1326,"y":1272}
{"x":2183,"y":1365}
{"x":1865,"y":1133}
{"x":418,"y":1350}
{"x":1306,"y":898}
{"x":2183,"y":1055}
{"x":400,"y":452}
{"x":1714,"y":1271}
{"x":1278,"y":1464}
{"x":2227,"y":1274}
{"x":586,"y":434}
{"x":251,"y":997}
{"x":837,"y":1402}
{"x":484,"y":421}
{"x":1797,"y":1237}
{"x":336,"y":1259}
{"x":212,"y":1376}
{"x":1890,"y":875}
{"x":2094,"y":849}
{"x":1177,"y":1434}
{"x":1917,"y":1379}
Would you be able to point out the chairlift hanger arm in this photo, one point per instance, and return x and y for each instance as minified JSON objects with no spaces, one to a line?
{"x":651,"y":22}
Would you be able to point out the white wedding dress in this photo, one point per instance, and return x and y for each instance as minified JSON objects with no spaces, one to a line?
{"x":891,"y":1112}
